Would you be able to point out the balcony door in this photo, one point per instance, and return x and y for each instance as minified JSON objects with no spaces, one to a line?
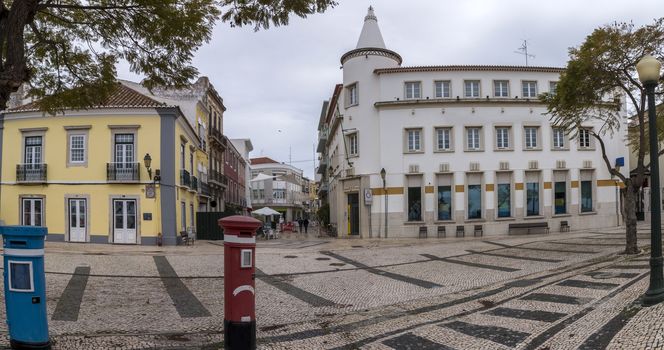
{"x":32,"y":158}
{"x":124,"y":221}
{"x":77,"y":220}
{"x":124,"y":156}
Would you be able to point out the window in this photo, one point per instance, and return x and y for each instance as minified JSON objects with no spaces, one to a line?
{"x":504,"y":194}
{"x":503,"y":138}
{"x":586,"y":191}
{"x":33,"y":150}
{"x":501,"y":88}
{"x":413,"y":89}
{"x":530,"y":133}
{"x":553,"y":87}
{"x":124,"y":149}
{"x":352,"y":144}
{"x":32,"y":209}
{"x":471,"y":88}
{"x":529,"y":89}
{"x":183,"y":216}
{"x":442,"y":89}
{"x":475,"y":201}
{"x":584,"y":138}
{"x":560,"y":197}
{"x":414,"y":140}
{"x":191,"y":214}
{"x":182,"y":156}
{"x":558,"y":138}
{"x":414,"y":193}
{"x":352,"y":95}
{"x":532,"y":198}
{"x":445,"y":197}
{"x":473,"y":138}
{"x":279,"y":193}
{"x":443,"y":139}
{"x":76,"y":148}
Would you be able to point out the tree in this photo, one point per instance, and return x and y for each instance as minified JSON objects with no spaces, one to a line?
{"x":600,"y":74}
{"x":65,"y":51}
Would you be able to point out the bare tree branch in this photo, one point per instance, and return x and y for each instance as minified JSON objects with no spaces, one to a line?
{"x":611,"y":169}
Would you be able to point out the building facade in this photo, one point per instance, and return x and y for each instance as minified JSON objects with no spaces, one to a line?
{"x":116,"y":173}
{"x":235,"y":168}
{"x":244,"y":147}
{"x":459,"y":145}
{"x":278,"y":186}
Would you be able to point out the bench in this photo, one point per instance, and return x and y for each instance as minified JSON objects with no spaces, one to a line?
{"x":528,"y":228}
{"x":460,"y":231}
{"x":478,"y":231}
{"x":423,"y":232}
{"x":441,"y":232}
{"x":564,"y":226}
{"x":186,"y":238}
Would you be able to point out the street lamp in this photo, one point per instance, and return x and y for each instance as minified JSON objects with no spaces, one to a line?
{"x":382,"y":176}
{"x":648,"y":69}
{"x":147,"y":160}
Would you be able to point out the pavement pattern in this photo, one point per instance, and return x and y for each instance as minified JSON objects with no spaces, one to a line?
{"x":556,"y":291}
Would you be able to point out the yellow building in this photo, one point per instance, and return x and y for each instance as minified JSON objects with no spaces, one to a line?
{"x":122,"y":172}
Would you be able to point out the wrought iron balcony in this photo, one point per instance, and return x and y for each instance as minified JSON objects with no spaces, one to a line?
{"x":217,"y":138}
{"x":322,"y":139}
{"x":194,"y":184}
{"x":218,"y":178}
{"x":185,"y":178}
{"x":123,"y":172}
{"x":33,"y":173}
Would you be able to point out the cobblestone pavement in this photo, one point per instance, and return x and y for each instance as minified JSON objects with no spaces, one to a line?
{"x":556,"y":291}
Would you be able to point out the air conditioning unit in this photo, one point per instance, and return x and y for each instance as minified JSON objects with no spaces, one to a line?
{"x":504,"y":165}
{"x":561,"y":164}
{"x":474,"y":166}
{"x":533,"y":165}
{"x":350,"y":172}
{"x":587,"y":164}
{"x":413,"y":168}
{"x":444,"y":167}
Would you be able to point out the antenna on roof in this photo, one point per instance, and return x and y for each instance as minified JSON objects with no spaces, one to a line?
{"x":523,"y":50}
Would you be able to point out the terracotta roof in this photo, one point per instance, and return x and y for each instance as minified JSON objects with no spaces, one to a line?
{"x":469,"y":68}
{"x":122,"y":97}
{"x":262,"y":160}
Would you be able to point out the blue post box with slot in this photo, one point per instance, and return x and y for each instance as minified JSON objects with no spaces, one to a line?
{"x":25,"y":286}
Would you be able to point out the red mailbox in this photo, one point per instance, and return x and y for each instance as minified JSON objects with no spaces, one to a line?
{"x":239,"y":275}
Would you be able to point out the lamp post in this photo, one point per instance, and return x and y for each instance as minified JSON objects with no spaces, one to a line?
{"x":648,"y":69}
{"x":382,"y":176}
{"x":147,"y":160}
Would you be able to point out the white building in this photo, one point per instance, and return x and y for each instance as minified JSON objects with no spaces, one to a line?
{"x":278,"y":186}
{"x":460,"y":145}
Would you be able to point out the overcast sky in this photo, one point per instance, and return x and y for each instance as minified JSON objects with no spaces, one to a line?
{"x":274,"y":82}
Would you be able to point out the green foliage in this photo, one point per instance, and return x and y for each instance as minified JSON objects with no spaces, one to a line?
{"x":600,"y":72}
{"x":66,"y":50}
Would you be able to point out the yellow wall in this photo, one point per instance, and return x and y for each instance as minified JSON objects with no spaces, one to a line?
{"x":90,"y":180}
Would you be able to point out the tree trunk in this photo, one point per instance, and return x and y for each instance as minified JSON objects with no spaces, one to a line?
{"x":630,"y":219}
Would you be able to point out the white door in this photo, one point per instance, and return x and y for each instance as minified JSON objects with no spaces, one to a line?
{"x":77,"y":220}
{"x":124,"y":156}
{"x":124,"y":221}
{"x":33,"y":158}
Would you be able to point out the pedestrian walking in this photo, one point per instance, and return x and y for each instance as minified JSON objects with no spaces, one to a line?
{"x":306,"y":224}
{"x":299,"y":225}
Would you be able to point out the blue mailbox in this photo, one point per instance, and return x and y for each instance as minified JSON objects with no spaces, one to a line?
{"x":25,"y":286}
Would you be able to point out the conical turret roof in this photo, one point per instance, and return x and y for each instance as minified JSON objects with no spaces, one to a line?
{"x":370,"y":36}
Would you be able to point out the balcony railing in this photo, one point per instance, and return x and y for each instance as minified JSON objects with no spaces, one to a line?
{"x":185,"y":178}
{"x":217,"y":137}
{"x":194,"y":184}
{"x":322,"y":139}
{"x":31,"y":172}
{"x":123,"y":172}
{"x":218,"y":178}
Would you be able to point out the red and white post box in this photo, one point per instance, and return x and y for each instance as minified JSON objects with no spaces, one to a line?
{"x":239,"y":276}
